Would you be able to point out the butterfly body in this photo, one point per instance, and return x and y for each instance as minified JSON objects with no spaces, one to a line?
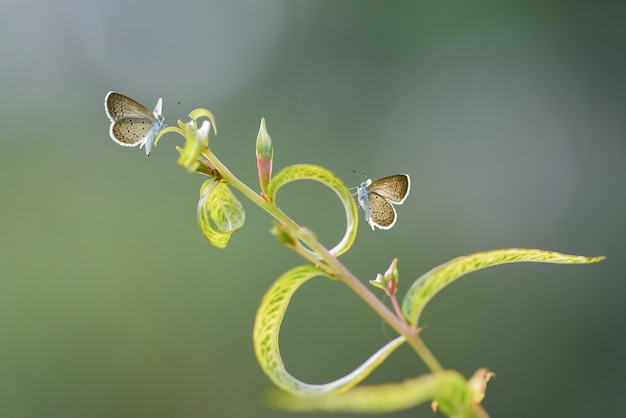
{"x":132,"y":123}
{"x":378,"y":197}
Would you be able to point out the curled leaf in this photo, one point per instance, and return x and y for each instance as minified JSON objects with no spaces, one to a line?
{"x":203,"y":113}
{"x":449,"y":388}
{"x":165,"y":131}
{"x":196,"y":142}
{"x":267,"y":327}
{"x":219,"y":212}
{"x":327,"y":178}
{"x":428,"y":285}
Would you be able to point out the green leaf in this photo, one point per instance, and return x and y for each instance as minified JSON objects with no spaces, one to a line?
{"x":327,"y":178}
{"x":427,"y":286}
{"x":267,"y":327}
{"x":204,"y":113}
{"x":219,"y":212}
{"x":227,"y":212}
{"x":195,"y":145}
{"x":450,"y":389}
{"x":164,"y":131}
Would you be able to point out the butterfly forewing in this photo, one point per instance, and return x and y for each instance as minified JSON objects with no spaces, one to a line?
{"x":394,"y":188}
{"x":119,"y":106}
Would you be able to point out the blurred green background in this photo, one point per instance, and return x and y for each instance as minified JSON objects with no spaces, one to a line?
{"x":509,"y":117}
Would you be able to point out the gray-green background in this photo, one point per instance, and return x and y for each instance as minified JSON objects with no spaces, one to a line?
{"x":509,"y":117}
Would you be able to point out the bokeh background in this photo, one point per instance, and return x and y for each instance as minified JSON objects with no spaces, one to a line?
{"x":509,"y":117}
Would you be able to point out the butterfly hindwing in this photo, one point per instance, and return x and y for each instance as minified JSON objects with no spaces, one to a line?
{"x":381,"y":212}
{"x":131,"y":132}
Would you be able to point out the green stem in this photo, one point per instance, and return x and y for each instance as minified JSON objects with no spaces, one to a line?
{"x":396,"y":306}
{"x":398,"y":323}
{"x":333,"y":264}
{"x":269,"y":207}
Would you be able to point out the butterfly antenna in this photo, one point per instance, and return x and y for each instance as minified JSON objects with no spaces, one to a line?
{"x":362,"y":175}
{"x":353,"y":190}
{"x":174,"y":105}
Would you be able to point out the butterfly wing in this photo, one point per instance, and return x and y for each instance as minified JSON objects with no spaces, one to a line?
{"x":381,"y":213}
{"x":132,"y":123}
{"x":393,"y":188}
{"x":118,"y":107}
{"x":132,"y":131}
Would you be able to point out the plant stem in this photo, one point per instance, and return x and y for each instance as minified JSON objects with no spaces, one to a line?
{"x":269,"y":207}
{"x":366,"y":294}
{"x":397,"y":322}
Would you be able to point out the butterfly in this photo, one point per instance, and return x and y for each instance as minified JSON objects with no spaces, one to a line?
{"x":132,"y":123}
{"x":378,"y":197}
